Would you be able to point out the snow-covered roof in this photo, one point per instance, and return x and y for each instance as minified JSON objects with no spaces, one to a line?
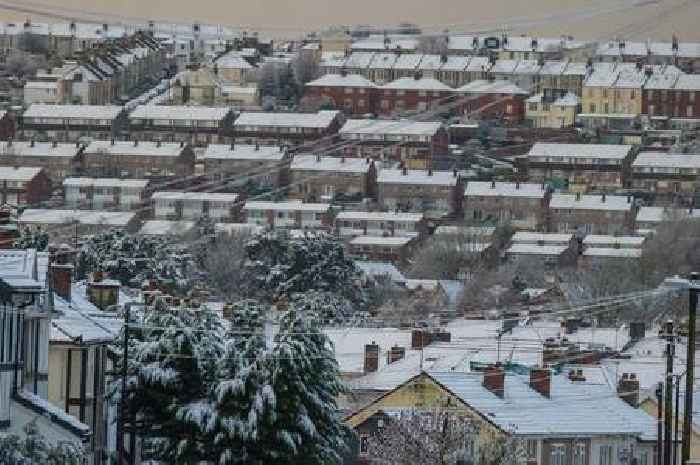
{"x":688,"y":82}
{"x":339,"y":80}
{"x":320,"y":120}
{"x":287,"y":206}
{"x":478,"y":63}
{"x":498,"y":86}
{"x":380,"y":216}
{"x":105,"y":182}
{"x":135,"y":148}
{"x":606,"y":151}
{"x":504,"y":66}
{"x":455,"y":63}
{"x":383,"y":60}
{"x":505,"y":189}
{"x":407,"y":61}
{"x":359,"y":60}
{"x":666,"y":160}
{"x":661,"y":214}
{"x":80,"y":320}
{"x":389,"y":241}
{"x":534,"y":249}
{"x":415,"y":177}
{"x":165,"y":227}
{"x":602,"y":240}
{"x":38,"y":149}
{"x":92,"y":112}
{"x":244,"y":152}
{"x":233,"y":60}
{"x":24,"y":267}
{"x":612,"y":252}
{"x":590,"y":408}
{"x":591,"y":202}
{"x":410,"y":83}
{"x":430,"y":62}
{"x":568,"y":100}
{"x":179,"y":112}
{"x":41,"y":85}
{"x":553,"y":68}
{"x":195,"y":196}
{"x":379,"y":269}
{"x":18,"y":173}
{"x":232,"y":228}
{"x":335,"y":164}
{"x":85,"y":217}
{"x":390,"y":127}
{"x":525,"y":237}
{"x":481,"y":231}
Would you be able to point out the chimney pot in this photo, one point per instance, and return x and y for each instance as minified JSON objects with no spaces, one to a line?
{"x":628,"y":389}
{"x":493,"y":184}
{"x":61,"y":280}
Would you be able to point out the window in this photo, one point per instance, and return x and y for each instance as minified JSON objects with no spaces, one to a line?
{"x":591,"y":108}
{"x":644,"y":458}
{"x":689,"y":111}
{"x":606,"y":455}
{"x":558,"y":455}
{"x":532,"y":449}
{"x":532,"y":106}
{"x":364,"y":444}
{"x":580,"y":454}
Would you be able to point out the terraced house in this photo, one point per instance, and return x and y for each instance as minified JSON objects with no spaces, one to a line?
{"x":292,"y":129}
{"x":315,"y":178}
{"x":414,"y":143}
{"x":435,"y":193}
{"x":665,"y":173}
{"x":188,"y":124}
{"x":58,"y":160}
{"x":135,"y":159}
{"x":71,"y":123}
{"x":581,"y":167}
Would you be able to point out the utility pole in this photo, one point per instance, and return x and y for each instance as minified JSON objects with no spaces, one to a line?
{"x":668,"y":401}
{"x":694,"y":290}
{"x":122,"y":401}
{"x":675,"y":433}
{"x":659,"y":422}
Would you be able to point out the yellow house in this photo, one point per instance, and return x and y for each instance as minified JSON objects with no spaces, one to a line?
{"x":542,"y":112}
{"x":559,"y":419}
{"x":650,"y":405}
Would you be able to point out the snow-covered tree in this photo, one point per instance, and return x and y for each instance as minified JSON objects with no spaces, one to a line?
{"x":279,"y":266}
{"x":172,"y":364}
{"x":35,"y":449}
{"x":441,"y":437}
{"x":306,"y":382}
{"x":29,"y":239}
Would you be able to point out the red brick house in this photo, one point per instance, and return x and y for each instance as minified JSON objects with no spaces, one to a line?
{"x":493,"y":100}
{"x":23,"y":186}
{"x":674,"y":97}
{"x":416,"y":143}
{"x":351,"y":93}
{"x":412,"y":94}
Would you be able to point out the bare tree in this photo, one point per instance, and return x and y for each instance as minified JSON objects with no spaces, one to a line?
{"x":305,"y":69}
{"x":23,"y":65}
{"x":674,"y":249}
{"x":441,"y":437}
{"x":224,"y":261}
{"x":446,"y":256}
{"x":435,"y":45}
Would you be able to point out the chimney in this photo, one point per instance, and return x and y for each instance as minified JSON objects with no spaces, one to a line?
{"x":602,"y":198}
{"x":404,"y":171}
{"x":158,"y":143}
{"x":578,"y":196}
{"x":318,"y":158}
{"x":493,"y":184}
{"x":367,"y":160}
{"x":233,"y":146}
{"x":541,"y":380}
{"x":628,"y":389}
{"x":454,"y":172}
{"x":182,"y":143}
{"x":101,"y":292}
{"x":136,"y":143}
{"x":430,"y":171}
{"x":371,"y":357}
{"x":395,"y":354}
{"x":54,"y":144}
{"x":342,"y":159}
{"x":111,"y":142}
{"x":31,"y":143}
{"x":637,"y":330}
{"x":517,"y":185}
{"x":420,"y":338}
{"x":494,"y":380}
{"x":629,"y":199}
{"x":257,"y":147}
{"x":61,"y":280}
{"x":576,"y":375}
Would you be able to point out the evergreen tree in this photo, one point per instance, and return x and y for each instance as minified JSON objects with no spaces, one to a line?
{"x":279,"y":267}
{"x":172,"y":366}
{"x":34,"y":449}
{"x":306,"y":382}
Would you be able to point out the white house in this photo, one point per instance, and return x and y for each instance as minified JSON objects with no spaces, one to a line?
{"x":195,"y":205}
{"x":98,"y":193}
